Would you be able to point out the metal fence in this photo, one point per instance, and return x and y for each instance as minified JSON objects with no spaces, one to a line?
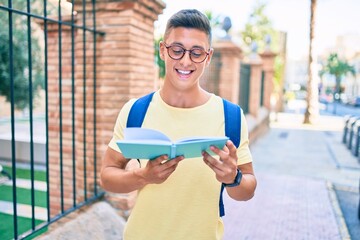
{"x":262,"y":88}
{"x":245,"y":71}
{"x":27,"y":17}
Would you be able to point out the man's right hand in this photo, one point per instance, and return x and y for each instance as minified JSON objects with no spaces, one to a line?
{"x":115,"y":178}
{"x":160,"y":168}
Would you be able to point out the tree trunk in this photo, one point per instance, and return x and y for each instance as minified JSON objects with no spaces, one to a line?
{"x":337,"y":87}
{"x":312,"y":109}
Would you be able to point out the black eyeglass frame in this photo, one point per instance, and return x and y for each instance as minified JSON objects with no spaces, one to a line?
{"x":207,"y":53}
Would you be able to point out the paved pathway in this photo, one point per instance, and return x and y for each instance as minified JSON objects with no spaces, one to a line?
{"x":25,"y":183}
{"x":23,"y":210}
{"x":22,"y":129}
{"x":284,"y":207}
{"x":296,"y":167}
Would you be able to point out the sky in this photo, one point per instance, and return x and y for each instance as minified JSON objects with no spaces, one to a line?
{"x":334,"y":18}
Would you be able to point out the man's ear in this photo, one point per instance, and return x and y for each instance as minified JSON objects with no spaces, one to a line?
{"x":208,"y":59}
{"x":162,"y":50}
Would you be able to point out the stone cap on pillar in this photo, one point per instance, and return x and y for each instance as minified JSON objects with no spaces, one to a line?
{"x":148,"y":8}
{"x":228,"y":48}
{"x":268,"y":58}
{"x":253,"y":58}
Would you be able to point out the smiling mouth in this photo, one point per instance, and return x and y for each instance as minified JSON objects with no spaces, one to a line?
{"x":183,"y":72}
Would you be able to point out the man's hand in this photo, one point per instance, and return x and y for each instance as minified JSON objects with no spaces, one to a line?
{"x":115,"y":178}
{"x":159,"y":169}
{"x":224,"y":167}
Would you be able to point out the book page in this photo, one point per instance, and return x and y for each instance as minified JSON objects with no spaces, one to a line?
{"x":144,"y":134}
{"x":201,"y":139}
{"x":194,"y":148}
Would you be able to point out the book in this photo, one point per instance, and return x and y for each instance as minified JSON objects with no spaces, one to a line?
{"x":144,"y":143}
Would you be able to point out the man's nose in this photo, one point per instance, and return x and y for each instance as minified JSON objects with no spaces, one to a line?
{"x":186,"y":60}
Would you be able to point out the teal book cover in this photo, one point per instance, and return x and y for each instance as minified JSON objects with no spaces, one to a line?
{"x":144,"y":143}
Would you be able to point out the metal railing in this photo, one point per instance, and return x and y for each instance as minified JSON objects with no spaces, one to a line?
{"x":244,"y":94}
{"x":262,"y":88}
{"x":30,"y":15}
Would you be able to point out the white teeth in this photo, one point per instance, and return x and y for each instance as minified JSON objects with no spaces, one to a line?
{"x":184,"y":72}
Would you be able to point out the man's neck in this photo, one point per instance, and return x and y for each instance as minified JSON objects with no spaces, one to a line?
{"x":186,"y":99}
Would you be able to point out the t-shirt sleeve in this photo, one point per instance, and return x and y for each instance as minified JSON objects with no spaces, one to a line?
{"x":243,"y":151}
{"x":120,"y":124}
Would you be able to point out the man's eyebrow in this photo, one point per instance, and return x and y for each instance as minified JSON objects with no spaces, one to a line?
{"x":179,"y":43}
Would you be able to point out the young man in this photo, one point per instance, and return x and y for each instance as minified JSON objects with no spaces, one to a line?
{"x":179,"y":198}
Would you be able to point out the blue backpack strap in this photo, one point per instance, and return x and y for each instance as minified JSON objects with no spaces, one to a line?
{"x":232,"y":122}
{"x":138,"y":111}
{"x":232,"y":117}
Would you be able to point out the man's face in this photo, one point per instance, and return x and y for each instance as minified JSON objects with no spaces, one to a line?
{"x":184,"y":73}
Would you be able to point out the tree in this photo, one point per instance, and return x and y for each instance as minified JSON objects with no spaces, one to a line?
{"x":338,"y":68}
{"x":214,"y":20}
{"x":21,"y":69}
{"x":159,"y":62}
{"x":312,"y":104}
{"x":258,"y":28}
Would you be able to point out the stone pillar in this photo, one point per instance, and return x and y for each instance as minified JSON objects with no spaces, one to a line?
{"x":125,"y":56}
{"x":125,"y":66}
{"x":229,"y":72}
{"x":255,"y":84}
{"x":125,"y":69}
{"x":268,"y":58}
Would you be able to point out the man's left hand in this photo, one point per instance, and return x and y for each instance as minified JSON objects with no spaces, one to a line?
{"x":225,"y":167}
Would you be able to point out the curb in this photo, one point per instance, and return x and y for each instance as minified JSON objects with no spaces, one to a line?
{"x":344,"y":231}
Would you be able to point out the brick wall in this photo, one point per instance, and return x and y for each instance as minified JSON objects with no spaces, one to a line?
{"x":222,"y":77}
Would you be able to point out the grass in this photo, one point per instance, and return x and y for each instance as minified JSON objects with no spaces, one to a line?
{"x":23,"y":196}
{"x":26,"y":173}
{"x":23,"y":224}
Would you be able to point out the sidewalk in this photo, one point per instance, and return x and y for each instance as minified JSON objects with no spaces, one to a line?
{"x":297,"y":167}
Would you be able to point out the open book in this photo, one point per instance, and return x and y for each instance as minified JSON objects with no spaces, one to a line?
{"x":143,"y":143}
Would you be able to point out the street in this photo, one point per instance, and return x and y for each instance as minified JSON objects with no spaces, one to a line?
{"x":331,"y":109}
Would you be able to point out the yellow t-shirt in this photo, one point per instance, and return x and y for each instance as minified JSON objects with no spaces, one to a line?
{"x":186,"y":205}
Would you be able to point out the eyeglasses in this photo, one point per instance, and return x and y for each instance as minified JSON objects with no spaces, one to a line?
{"x":176,"y":52}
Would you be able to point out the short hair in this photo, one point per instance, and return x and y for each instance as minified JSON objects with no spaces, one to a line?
{"x":189,"y":18}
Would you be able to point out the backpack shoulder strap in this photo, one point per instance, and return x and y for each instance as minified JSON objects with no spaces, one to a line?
{"x":232,"y":116}
{"x":232,"y":121}
{"x":138,"y":111}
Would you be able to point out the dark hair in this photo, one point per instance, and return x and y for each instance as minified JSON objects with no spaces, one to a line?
{"x":189,"y":18}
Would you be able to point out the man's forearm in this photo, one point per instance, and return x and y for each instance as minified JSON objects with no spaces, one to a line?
{"x":245,"y":190}
{"x":122,"y":181}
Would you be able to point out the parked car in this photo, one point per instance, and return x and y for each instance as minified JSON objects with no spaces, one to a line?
{"x":326,"y":98}
{"x":355,"y":101}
